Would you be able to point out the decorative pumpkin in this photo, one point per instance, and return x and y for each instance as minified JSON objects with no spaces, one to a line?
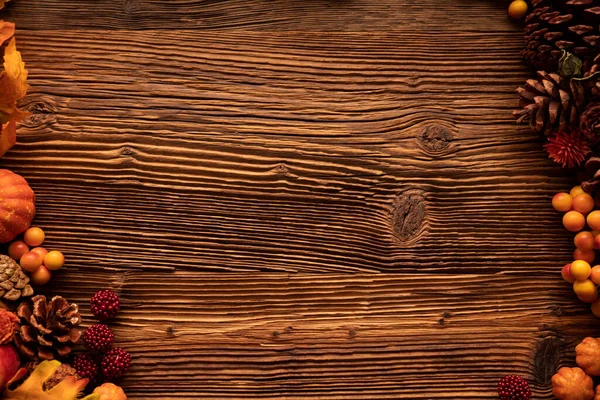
{"x":110,"y":391}
{"x":17,"y":205}
{"x":572,"y":384}
{"x":597,"y":396}
{"x":588,"y":356}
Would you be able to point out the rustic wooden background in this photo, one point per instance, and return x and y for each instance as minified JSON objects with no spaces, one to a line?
{"x":324,"y":199}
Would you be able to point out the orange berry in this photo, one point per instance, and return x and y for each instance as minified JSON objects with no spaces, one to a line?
{"x":593,"y":220}
{"x":34,"y":236}
{"x":40,"y":276}
{"x":588,"y":255}
{"x":30,"y":261}
{"x":585,"y":289}
{"x":517,"y":9}
{"x":575,"y":191}
{"x":54,"y":260}
{"x":17,"y":249}
{"x":583,"y":241}
{"x":42,"y":251}
{"x":584,"y":203}
{"x":574,"y":221}
{"x":580,"y":270}
{"x":595,"y":274}
{"x":562,"y":202}
{"x":566,"y":273}
{"x":596,"y":308}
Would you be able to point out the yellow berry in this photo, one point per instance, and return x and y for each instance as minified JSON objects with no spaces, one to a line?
{"x":562,"y":202}
{"x":577,"y":190}
{"x":566,"y":273}
{"x":34,"y":237}
{"x":593,"y":220}
{"x":517,"y":9}
{"x":54,"y":260}
{"x":585,"y":289}
{"x":584,"y":203}
{"x":584,"y":241}
{"x":580,"y":270}
{"x":574,"y":221}
{"x":596,"y":308}
{"x":40,"y":276}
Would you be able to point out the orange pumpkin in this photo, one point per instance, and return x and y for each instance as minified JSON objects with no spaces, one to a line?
{"x":17,"y":205}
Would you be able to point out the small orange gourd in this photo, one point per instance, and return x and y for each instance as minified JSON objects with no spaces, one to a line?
{"x":17,"y":205}
{"x":588,"y":356}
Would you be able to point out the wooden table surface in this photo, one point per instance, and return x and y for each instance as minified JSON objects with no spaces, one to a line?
{"x":324,"y":199}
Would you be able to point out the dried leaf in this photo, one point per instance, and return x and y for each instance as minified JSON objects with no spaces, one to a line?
{"x":7,"y":30}
{"x":32,"y":388}
{"x":569,"y":65}
{"x":13,"y":87}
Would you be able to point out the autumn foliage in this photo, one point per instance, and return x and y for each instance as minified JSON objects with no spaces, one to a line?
{"x":13,"y":86}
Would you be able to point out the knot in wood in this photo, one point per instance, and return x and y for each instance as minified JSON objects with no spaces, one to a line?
{"x":43,"y":113}
{"x":408,"y":216}
{"x":435,"y":138}
{"x":546,"y":359}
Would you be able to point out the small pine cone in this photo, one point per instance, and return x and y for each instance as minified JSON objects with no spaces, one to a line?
{"x":556,"y":25}
{"x":115,"y":363}
{"x":550,"y":103}
{"x":98,"y":338}
{"x":105,"y":304}
{"x":590,"y":123}
{"x":86,"y":367}
{"x":14,"y":284}
{"x":47,"y":329}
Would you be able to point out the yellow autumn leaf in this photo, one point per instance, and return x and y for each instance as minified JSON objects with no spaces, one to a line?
{"x":32,"y":387}
{"x":13,"y":87}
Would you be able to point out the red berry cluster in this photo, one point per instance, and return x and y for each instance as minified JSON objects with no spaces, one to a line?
{"x":513,"y":387}
{"x":103,"y":362}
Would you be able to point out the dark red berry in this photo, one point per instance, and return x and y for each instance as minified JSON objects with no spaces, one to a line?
{"x":513,"y":387}
{"x":86,"y":367}
{"x":105,"y":304}
{"x":115,"y":363}
{"x":98,"y":338}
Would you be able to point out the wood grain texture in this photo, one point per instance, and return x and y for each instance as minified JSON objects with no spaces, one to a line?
{"x":331,"y":336}
{"x":299,"y":199}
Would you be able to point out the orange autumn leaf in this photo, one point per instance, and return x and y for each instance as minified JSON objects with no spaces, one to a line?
{"x":13,"y":87}
{"x":7,"y":30}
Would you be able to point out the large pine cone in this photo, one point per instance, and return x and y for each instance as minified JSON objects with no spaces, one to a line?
{"x":14,"y":284}
{"x":550,"y":103}
{"x":556,"y":25}
{"x":47,"y":330}
{"x":589,"y":124}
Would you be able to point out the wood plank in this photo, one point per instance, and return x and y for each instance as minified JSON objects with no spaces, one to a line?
{"x":292,"y":152}
{"x":329,"y":336}
{"x":287,"y":15}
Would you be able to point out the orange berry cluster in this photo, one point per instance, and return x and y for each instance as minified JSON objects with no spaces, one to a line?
{"x":38,"y":261}
{"x":579,"y":208}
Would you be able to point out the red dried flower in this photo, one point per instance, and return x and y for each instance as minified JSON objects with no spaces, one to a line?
{"x":8,"y":324}
{"x":115,"y":363}
{"x":98,"y":338}
{"x":105,"y":304}
{"x":568,"y":149}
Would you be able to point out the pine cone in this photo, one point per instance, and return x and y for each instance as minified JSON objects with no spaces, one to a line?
{"x":556,"y":25}
{"x":592,"y":180}
{"x":14,"y":284}
{"x":47,"y":330}
{"x":64,"y":371}
{"x":591,"y":78}
{"x":550,"y":103}
{"x":589,"y":124}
